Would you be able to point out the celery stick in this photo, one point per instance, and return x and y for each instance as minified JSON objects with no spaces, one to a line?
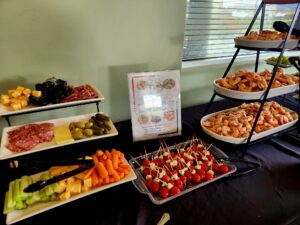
{"x":6,"y":209}
{"x":36,"y":196}
{"x":20,"y":205}
{"x":25,"y":181}
{"x":10,"y":201}
{"x":16,"y":190}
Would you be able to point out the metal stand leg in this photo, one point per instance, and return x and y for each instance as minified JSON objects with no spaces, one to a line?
{"x":97,"y":105}
{"x":7,"y":120}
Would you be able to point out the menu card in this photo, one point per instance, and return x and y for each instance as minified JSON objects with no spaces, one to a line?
{"x":155,"y":104}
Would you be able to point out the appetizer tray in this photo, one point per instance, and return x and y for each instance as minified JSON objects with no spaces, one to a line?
{"x":254,"y":95}
{"x":233,"y":140}
{"x":5,"y":153}
{"x":262,"y":44}
{"x":18,"y":215}
{"x":280,"y":65}
{"x":8,"y":111}
{"x":139,"y":183}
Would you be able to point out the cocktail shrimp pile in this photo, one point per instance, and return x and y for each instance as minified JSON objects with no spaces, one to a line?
{"x":246,"y":81}
{"x":238,"y":122}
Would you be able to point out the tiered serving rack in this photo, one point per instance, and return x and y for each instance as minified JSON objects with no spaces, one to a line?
{"x":281,"y":48}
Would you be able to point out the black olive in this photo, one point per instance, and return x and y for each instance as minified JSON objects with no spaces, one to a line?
{"x":38,"y":86}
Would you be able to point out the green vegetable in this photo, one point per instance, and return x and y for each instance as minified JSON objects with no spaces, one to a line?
{"x":6,"y":209}
{"x":10,"y":201}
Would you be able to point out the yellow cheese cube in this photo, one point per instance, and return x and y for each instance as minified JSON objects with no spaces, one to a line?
{"x":24,"y":103}
{"x":15,"y":94}
{"x":20,"y":89}
{"x":16,"y":106}
{"x":4,"y":99}
{"x":62,"y":135}
{"x":65,"y":195}
{"x":36,"y":93}
{"x":26,"y":91}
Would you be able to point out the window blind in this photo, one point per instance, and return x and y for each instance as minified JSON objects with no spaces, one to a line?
{"x":212,"y":25}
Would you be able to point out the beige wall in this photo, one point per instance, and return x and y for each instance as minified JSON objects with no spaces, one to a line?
{"x":87,"y":41}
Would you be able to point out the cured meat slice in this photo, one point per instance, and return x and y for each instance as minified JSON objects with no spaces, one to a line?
{"x":28,"y":136}
{"x":81,"y":92}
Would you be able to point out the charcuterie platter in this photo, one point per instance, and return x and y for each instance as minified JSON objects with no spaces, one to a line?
{"x":8,"y":111}
{"x":29,"y":138}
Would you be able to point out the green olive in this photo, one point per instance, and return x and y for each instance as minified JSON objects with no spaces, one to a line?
{"x":72,"y":126}
{"x":77,"y":134}
{"x":80,"y":124}
{"x":88,"y":132}
{"x":88,"y":124}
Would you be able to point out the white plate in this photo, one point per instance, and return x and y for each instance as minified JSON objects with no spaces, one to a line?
{"x":254,"y":95}
{"x":291,"y":44}
{"x":18,"y":215}
{"x":243,"y":140}
{"x":5,"y":153}
{"x":8,"y":111}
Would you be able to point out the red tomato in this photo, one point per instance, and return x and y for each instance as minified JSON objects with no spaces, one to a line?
{"x":177,"y":168}
{"x":204,"y":167}
{"x":146,"y":171}
{"x":202,"y":174}
{"x":178,"y":183}
{"x":166,"y":178}
{"x":159,"y":162}
{"x":196,"y":178}
{"x":188,"y":175}
{"x":175,"y":190}
{"x":164,"y":192}
{"x":224,"y":168}
{"x":183,"y":179}
{"x":146,"y":163}
{"x":155,"y":187}
{"x":215,"y":167}
{"x":153,"y":173}
{"x":209,"y":176}
{"x":148,"y":183}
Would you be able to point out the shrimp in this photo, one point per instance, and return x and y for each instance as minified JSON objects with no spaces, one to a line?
{"x":234,"y":132}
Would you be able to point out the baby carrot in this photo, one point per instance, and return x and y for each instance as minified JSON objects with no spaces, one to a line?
{"x":94,"y":179}
{"x":107,"y":153}
{"x":115,"y":160}
{"x":101,"y":170}
{"x":122,"y":175}
{"x":95,"y":158}
{"x":109,"y":167}
{"x":89,"y":172}
{"x":123,"y":170}
{"x":104,"y":157}
{"x":99,"y":153}
{"x":116,"y":176}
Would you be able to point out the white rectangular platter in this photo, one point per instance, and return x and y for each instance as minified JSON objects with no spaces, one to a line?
{"x":262,"y":44}
{"x":254,"y":95}
{"x":5,"y":153}
{"x":18,"y":215}
{"x":254,"y":137}
{"x":7,"y":111}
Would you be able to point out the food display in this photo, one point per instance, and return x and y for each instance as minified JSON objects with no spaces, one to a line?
{"x":284,"y":62}
{"x":173,"y":171}
{"x":266,"y":35}
{"x":110,"y":169}
{"x":266,"y":39}
{"x":247,"y":81}
{"x":52,"y":93}
{"x":30,"y":138}
{"x":234,"y":125}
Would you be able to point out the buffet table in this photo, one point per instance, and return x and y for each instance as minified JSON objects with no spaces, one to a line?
{"x":269,"y":195}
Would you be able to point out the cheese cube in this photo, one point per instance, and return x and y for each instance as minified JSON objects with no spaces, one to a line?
{"x":4,"y":99}
{"x":36,"y":93}
{"x":26,"y":91}
{"x":16,"y":106}
{"x":20,"y":89}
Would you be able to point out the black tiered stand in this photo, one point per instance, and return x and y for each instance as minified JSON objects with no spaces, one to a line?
{"x":261,"y":9}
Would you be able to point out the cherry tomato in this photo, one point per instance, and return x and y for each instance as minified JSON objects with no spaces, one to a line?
{"x":146,"y":162}
{"x":215,"y":167}
{"x":183,"y":179}
{"x":164,"y":192}
{"x":178,"y":183}
{"x":204,"y":166}
{"x":224,"y":169}
{"x":159,"y":162}
{"x":188,"y":175}
{"x":146,"y":171}
{"x":175,"y":190}
{"x":202,"y":174}
{"x":155,"y":187}
{"x":196,"y":178}
{"x":177,"y":168}
{"x":148,"y":183}
{"x":166,"y":178}
{"x":209,"y":176}
{"x":153,"y":173}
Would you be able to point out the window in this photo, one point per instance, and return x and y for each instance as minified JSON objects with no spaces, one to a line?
{"x":211,"y":25}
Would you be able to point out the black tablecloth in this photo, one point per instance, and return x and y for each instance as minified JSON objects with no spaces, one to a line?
{"x":269,"y":195}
